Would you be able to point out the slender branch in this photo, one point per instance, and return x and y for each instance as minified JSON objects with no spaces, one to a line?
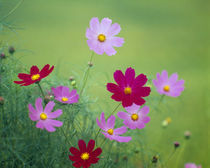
{"x":13,"y":9}
{"x":40,"y":88}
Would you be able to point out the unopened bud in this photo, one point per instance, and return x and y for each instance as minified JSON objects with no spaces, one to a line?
{"x":125,"y":158}
{"x":187,"y":134}
{"x":176,"y":144}
{"x":155,"y":159}
{"x":11,"y":50}
{"x":90,"y":64}
{"x":71,"y":78}
{"x":1,"y":100}
{"x":2,"y":55}
{"x":73,"y":83}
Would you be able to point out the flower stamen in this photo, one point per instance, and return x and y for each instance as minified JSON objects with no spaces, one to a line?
{"x":134,"y":117}
{"x":43,"y":116}
{"x":127,"y":90}
{"x":110,"y":131}
{"x":85,"y":156}
{"x":35,"y":77}
{"x":65,"y":99}
{"x":101,"y":37}
{"x":166,"y":88}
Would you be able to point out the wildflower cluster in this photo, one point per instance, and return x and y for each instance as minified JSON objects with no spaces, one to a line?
{"x":130,"y":90}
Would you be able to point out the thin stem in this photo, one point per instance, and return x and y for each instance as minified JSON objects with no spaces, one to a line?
{"x":18,"y":4}
{"x":86,"y":75}
{"x":66,"y":137}
{"x":40,"y":88}
{"x":161,"y":99}
{"x":170,"y":156}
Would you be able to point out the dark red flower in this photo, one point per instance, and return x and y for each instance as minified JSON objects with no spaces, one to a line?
{"x":129,"y":89}
{"x":85,"y":156}
{"x":34,"y":76}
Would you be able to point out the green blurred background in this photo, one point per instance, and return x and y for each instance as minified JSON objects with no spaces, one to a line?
{"x":158,"y":35}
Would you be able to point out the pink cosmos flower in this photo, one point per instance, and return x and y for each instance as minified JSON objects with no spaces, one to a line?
{"x":109,"y":131}
{"x":129,"y":89}
{"x":101,"y":36}
{"x":136,"y":117}
{"x":191,"y":165}
{"x":45,"y":116}
{"x":168,"y":86}
{"x":63,"y":95}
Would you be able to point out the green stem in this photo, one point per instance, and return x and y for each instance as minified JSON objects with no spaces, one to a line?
{"x":161,"y":99}
{"x":170,"y":156}
{"x":86,"y":75}
{"x":40,"y":88}
{"x":66,"y":136}
{"x":18,"y":4}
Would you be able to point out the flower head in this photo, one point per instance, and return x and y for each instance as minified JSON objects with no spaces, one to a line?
{"x":109,"y":131}
{"x":63,"y":95}
{"x":168,"y":86}
{"x":101,"y":36}
{"x":45,"y":116}
{"x":86,"y":155}
{"x":35,"y":75}
{"x":129,"y":89}
{"x":136,"y":117}
{"x":192,"y":165}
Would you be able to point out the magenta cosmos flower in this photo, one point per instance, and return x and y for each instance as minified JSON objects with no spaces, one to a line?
{"x":129,"y":89}
{"x":168,"y":86}
{"x":109,"y":131}
{"x":63,"y":95}
{"x":192,"y":165}
{"x":45,"y":116}
{"x":101,"y":36}
{"x":136,"y":117}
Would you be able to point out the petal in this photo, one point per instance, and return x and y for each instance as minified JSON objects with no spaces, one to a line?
{"x":114,"y":29}
{"x":55,"y":123}
{"x":91,"y":145}
{"x":139,"y":101}
{"x":117,"y":41}
{"x":78,"y":164}
{"x":119,"y":78}
{"x":24,"y":76}
{"x":96,"y":152}
{"x":38,"y":105}
{"x":130,"y":123}
{"x":111,"y":122}
{"x":94,"y":24}
{"x":123,"y":115}
{"x":122,"y":139}
{"x":73,"y":93}
{"x":173,"y":78}
{"x":34,"y":70}
{"x":105,"y":25}
{"x":65,"y":92}
{"x":133,"y":108}
{"x":73,"y":99}
{"x":103,"y":121}
{"x":90,"y":34}
{"x":127,"y":101}
{"x":100,"y":125}
{"x":74,"y":151}
{"x":140,"y":80}
{"x":130,"y":76}
{"x":49,"y":127}
{"x":117,"y":97}
{"x":55,"y":114}
{"x":113,"y":88}
{"x":40,"y":124}
{"x":121,"y":130}
{"x":141,"y":91}
{"x":109,"y":50}
{"x":49,"y":107}
{"x":144,"y":110}
{"x":164,"y":75}
{"x":145,"y":119}
{"x":140,"y":125}
{"x":74,"y":158}
{"x":82,"y":145}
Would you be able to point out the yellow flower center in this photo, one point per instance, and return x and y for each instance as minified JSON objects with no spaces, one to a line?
{"x":166,"y":88}
{"x":110,"y":131}
{"x":168,"y":120}
{"x":65,"y":99}
{"x":43,"y":116}
{"x":101,"y":37}
{"x":35,"y":77}
{"x":85,"y":156}
{"x":127,"y":90}
{"x":134,"y":117}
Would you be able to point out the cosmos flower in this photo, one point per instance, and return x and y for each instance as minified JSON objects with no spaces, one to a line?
{"x":192,"y":165}
{"x":136,"y":117}
{"x":109,"y":131}
{"x":101,"y":36}
{"x":35,"y":75}
{"x":63,"y":95}
{"x":86,"y":155}
{"x":45,"y":116}
{"x":129,"y":89}
{"x":168,"y":86}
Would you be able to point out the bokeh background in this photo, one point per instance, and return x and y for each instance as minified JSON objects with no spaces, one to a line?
{"x":170,"y":35}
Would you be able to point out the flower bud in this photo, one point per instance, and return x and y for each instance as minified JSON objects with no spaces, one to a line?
{"x":71,"y":78}
{"x":1,"y":100}
{"x":187,"y":134}
{"x":155,"y":159}
{"x":11,"y":50}
{"x":73,"y":83}
{"x":2,"y":55}
{"x":176,"y":144}
{"x":125,"y":158}
{"x":90,"y":64}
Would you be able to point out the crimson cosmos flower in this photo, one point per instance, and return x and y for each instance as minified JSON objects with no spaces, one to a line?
{"x":85,"y":156}
{"x":129,"y":89}
{"x":34,"y":76}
